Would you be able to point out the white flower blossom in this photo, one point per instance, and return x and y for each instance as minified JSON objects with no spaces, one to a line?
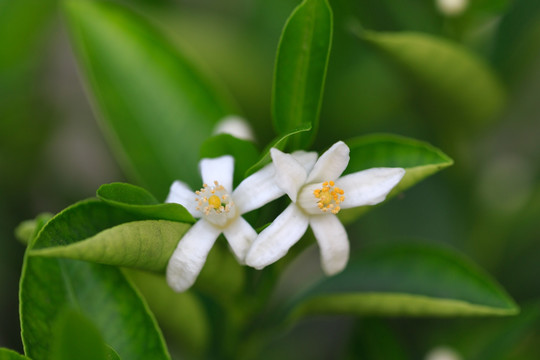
{"x":317,"y":195}
{"x":219,"y":209}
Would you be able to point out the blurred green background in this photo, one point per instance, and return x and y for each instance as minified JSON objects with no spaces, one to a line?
{"x":52,"y":152}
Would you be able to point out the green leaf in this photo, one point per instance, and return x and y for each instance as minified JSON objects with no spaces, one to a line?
{"x":76,"y":337}
{"x":146,"y":245}
{"x":156,"y":106}
{"x":140,"y":202}
{"x":300,"y":71}
{"x":244,"y":152}
{"x":418,"y":158}
{"x":279,"y":143}
{"x":407,"y":280}
{"x":6,"y":354}
{"x":28,"y":229}
{"x":100,"y":292}
{"x":454,"y":84}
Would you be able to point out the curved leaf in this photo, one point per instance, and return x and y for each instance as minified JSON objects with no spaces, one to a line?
{"x":156,"y":106}
{"x":408,"y":280}
{"x":100,"y":292}
{"x":140,"y":202}
{"x":146,"y":245}
{"x":301,"y":64}
{"x":6,"y":354}
{"x":418,"y":158}
{"x":455,"y":85}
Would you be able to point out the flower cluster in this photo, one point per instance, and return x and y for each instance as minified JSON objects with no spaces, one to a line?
{"x":317,"y":192}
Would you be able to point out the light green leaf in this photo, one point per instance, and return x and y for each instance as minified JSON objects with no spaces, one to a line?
{"x":146,"y":245}
{"x":140,"y":202}
{"x":6,"y":354}
{"x":407,"y":280}
{"x":279,"y":143}
{"x":28,"y":229}
{"x":418,"y":158}
{"x":76,"y":337}
{"x":244,"y":152}
{"x":300,"y":71}
{"x":100,"y":292}
{"x":454,"y":84}
{"x":156,"y":106}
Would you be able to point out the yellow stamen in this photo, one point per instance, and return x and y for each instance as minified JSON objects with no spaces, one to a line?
{"x":329,"y":197}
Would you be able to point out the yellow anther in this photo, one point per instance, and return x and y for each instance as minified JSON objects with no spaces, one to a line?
{"x":329,"y":197}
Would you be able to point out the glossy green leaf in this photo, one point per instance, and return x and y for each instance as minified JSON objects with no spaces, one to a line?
{"x":418,"y":158}
{"x":455,"y":84}
{"x":6,"y":354}
{"x":244,"y":152}
{"x":100,"y":292}
{"x":408,"y":280}
{"x":157,"y":107}
{"x":140,"y":202}
{"x":300,"y":71}
{"x":279,"y":143}
{"x":146,"y":245}
{"x":76,"y":337}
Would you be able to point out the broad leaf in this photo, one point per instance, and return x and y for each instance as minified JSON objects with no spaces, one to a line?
{"x":455,"y":85}
{"x":146,"y":245}
{"x":6,"y":354}
{"x":300,"y":71}
{"x":100,"y":292}
{"x":244,"y":152}
{"x":140,"y":202}
{"x":156,"y":106}
{"x":407,"y":280}
{"x":418,"y":158}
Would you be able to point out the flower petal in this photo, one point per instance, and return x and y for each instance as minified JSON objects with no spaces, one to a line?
{"x":274,"y":241}
{"x":181,"y":194}
{"x":240,"y":236}
{"x":333,"y":242}
{"x":290,"y":174}
{"x":331,"y":164}
{"x":220,"y":169}
{"x":257,"y":190}
{"x":305,"y":158}
{"x":236,"y":126}
{"x":190,"y":255}
{"x":368,"y":187}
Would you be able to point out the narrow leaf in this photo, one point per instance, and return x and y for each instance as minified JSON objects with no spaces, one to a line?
{"x":28,"y":229}
{"x":6,"y":354}
{"x":140,"y":202}
{"x":156,"y":106}
{"x":454,"y":84}
{"x":146,"y":245}
{"x":300,"y":71}
{"x":418,"y":158}
{"x":100,"y":292}
{"x":408,"y":280}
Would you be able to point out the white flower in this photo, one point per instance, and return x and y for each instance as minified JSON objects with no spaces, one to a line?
{"x":317,"y":195}
{"x":235,"y":126}
{"x":219,"y":209}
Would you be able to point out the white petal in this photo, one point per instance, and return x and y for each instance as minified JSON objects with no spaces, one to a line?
{"x":333,"y":242}
{"x":290,"y":175}
{"x":368,"y":187}
{"x":190,"y":255}
{"x":181,"y":194}
{"x":274,"y":241}
{"x":306,"y":159}
{"x":236,"y":126}
{"x":331,"y":164}
{"x":220,"y":169}
{"x":240,"y":236}
{"x":257,"y":190}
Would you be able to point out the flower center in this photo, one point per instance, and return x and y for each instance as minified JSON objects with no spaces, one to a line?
{"x":215,"y":203}
{"x":330,"y":196}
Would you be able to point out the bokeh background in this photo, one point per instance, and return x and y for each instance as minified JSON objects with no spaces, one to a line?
{"x":52,"y":152}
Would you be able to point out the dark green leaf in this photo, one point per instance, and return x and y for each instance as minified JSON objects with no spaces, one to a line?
{"x":156,"y":106}
{"x":100,"y":292}
{"x":300,"y":72}
{"x":455,"y":85}
{"x":140,"y":202}
{"x":408,"y":280}
{"x":6,"y":354}
{"x":244,"y":152}
{"x":418,"y":158}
